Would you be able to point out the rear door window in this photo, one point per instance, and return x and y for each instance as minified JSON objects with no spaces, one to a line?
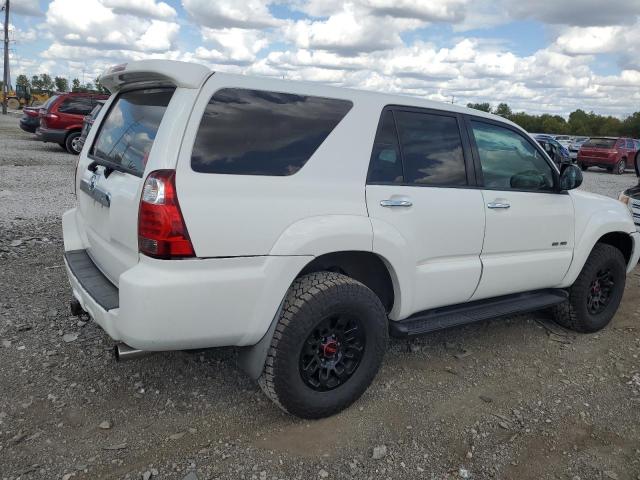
{"x":254,"y":132}
{"x":76,"y":106}
{"x":129,"y":129}
{"x":431,"y":148}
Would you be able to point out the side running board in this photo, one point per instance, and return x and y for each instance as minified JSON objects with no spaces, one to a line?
{"x":445,"y":317}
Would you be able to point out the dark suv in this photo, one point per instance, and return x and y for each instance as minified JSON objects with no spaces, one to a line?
{"x":61,"y":121}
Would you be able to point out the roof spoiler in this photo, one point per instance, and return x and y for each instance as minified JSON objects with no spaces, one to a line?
{"x":155,"y":72}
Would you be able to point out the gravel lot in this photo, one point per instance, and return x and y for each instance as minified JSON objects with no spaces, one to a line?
{"x":517,"y":398}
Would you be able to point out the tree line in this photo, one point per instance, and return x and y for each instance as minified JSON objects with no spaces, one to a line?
{"x":44,"y":83}
{"x":579,"y":123}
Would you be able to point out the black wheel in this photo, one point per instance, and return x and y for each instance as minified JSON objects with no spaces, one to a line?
{"x":595,"y":296}
{"x":584,"y":167}
{"x":327,"y":347}
{"x":620,"y":167}
{"x":71,"y":143}
{"x":637,"y":164}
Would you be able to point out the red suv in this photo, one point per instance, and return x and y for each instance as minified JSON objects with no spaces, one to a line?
{"x":614,"y":154}
{"x":61,"y":121}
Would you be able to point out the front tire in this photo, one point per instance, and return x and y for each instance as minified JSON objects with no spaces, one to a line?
{"x":620,"y":167}
{"x":71,"y":143}
{"x":596,"y":294}
{"x":327,"y":347}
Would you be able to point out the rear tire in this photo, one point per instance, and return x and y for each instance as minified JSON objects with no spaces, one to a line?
{"x":584,"y":167}
{"x":595,"y":296}
{"x":71,"y":143}
{"x":620,"y":167}
{"x":327,"y":347}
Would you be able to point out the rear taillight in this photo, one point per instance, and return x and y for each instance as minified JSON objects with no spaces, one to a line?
{"x":161,"y":229}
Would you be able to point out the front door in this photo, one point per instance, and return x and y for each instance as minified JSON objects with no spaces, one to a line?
{"x":417,"y":193}
{"x":529,"y":235}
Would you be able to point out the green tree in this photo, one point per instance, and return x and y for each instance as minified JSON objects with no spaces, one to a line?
{"x":88,"y":87}
{"x":485,"y":107}
{"x":503,"y":110}
{"x":23,"y":81}
{"x":36,"y":83}
{"x":47,"y":82}
{"x":75,"y":85}
{"x":99,"y":87}
{"x":62,"y":84}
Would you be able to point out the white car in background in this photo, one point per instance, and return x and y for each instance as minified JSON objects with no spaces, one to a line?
{"x":303,"y":223}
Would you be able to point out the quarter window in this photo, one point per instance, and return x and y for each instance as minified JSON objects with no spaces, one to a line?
{"x":509,"y":161}
{"x":253,"y":132}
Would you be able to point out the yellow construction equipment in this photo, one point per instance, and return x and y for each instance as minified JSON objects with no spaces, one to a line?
{"x":23,"y":96}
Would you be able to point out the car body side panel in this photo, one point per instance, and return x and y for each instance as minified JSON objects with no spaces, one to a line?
{"x":249,"y":213}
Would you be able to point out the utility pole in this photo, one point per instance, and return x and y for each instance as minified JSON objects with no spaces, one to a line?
{"x":5,"y":85}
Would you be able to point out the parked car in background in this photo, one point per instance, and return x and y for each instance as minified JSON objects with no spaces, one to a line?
{"x":564,"y":140}
{"x":88,"y":122}
{"x":613,"y":153}
{"x":575,"y":145}
{"x":556,"y":151}
{"x":438,"y":216}
{"x":30,"y":120}
{"x":61,"y":121}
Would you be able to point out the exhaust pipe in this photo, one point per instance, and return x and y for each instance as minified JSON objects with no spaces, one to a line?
{"x":124,"y":352}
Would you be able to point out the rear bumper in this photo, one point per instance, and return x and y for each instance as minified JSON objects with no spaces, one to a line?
{"x":51,"y":135}
{"x":598,"y":161}
{"x":185,"y":304}
{"x":29,"y":125}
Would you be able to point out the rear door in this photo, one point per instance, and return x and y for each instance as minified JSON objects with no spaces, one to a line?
{"x":529,"y":237}
{"x":420,"y":187}
{"x":110,"y":176}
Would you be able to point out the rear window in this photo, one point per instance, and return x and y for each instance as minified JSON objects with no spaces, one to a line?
{"x":46,"y":105}
{"x":253,"y":132}
{"x":600,"y":142}
{"x":129,"y":129}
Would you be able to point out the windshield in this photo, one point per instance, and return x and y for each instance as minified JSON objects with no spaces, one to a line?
{"x":129,"y":129}
{"x":601,"y":142}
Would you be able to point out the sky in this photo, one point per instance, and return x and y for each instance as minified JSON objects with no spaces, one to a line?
{"x":543,"y":56}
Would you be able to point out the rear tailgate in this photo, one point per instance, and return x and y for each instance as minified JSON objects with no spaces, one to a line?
{"x":130,"y":139}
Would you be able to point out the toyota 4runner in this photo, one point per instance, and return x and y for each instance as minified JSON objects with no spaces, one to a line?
{"x":306,"y":223}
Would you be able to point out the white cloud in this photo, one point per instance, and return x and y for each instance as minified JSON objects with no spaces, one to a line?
{"x":576,"y":12}
{"x":93,"y":24}
{"x":230,"y":13}
{"x":142,"y":8}
{"x":28,"y":8}
{"x":232,"y":45}
{"x":349,"y":31}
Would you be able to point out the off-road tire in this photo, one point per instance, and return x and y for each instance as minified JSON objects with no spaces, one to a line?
{"x":310,"y":300}
{"x":620,"y":167}
{"x":71,"y":141}
{"x":574,"y":314}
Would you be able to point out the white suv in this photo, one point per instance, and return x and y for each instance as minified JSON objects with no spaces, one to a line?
{"x":305,"y":223}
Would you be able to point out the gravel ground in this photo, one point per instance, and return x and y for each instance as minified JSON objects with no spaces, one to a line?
{"x":517,"y":398}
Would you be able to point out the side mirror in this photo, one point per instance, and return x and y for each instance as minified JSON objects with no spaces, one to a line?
{"x":570,"y":178}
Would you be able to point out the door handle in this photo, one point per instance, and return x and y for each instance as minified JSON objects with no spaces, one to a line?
{"x":494,"y":205}
{"x":395,"y":203}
